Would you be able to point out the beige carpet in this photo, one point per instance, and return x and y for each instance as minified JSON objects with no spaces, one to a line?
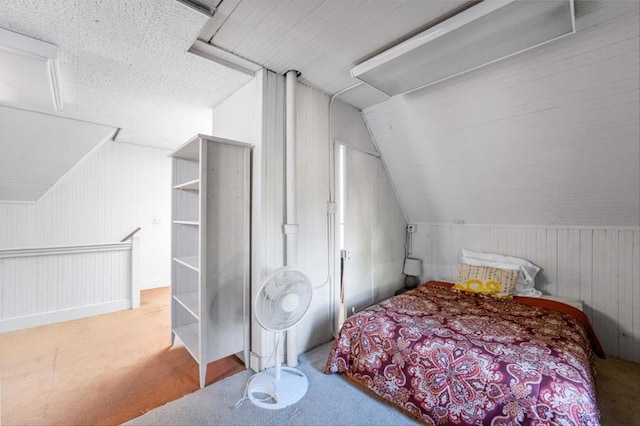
{"x":101,"y":370}
{"x":618,"y":385}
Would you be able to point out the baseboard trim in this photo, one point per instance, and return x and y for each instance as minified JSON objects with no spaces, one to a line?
{"x":46,"y":318}
{"x":156,"y":283}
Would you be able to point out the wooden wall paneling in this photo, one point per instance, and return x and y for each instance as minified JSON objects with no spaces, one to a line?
{"x":359,"y":227}
{"x":458,"y":242}
{"x":389,"y":238}
{"x":586,"y":271}
{"x":550,"y":272}
{"x":540,"y":257}
{"x":625,"y":295}
{"x":568,"y":274}
{"x":601,"y":285}
{"x":612,"y":284}
{"x":40,"y":287}
{"x":477,"y":237}
{"x":445,"y":261}
{"x":115,"y":189}
{"x":435,"y":250}
{"x":422,"y":248}
{"x":598,"y":266}
{"x":635,"y":286}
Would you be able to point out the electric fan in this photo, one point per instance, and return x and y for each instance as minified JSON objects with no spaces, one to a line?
{"x":281,"y":301}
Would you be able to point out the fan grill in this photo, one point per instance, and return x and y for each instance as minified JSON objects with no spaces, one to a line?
{"x":283,"y":299}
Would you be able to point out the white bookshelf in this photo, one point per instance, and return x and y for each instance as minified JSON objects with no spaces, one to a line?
{"x":210,"y":249}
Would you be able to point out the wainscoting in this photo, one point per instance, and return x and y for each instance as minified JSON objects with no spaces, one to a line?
{"x":599,"y":266}
{"x":45,"y":285}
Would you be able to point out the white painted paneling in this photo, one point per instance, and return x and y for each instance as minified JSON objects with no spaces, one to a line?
{"x":236,"y":117}
{"x":321,"y":39}
{"x":231,"y":120}
{"x":549,"y":137}
{"x":113,"y":191}
{"x":313,"y":153}
{"x":387,"y":221}
{"x":598,"y":266}
{"x":360,"y":202}
{"x":255,"y":114}
{"x":39,"y":287}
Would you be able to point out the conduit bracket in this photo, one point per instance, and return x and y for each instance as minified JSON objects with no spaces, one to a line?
{"x":291,"y":228}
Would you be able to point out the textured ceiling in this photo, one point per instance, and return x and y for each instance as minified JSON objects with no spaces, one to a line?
{"x":123,"y":63}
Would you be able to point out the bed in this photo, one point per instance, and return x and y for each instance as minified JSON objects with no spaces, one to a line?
{"x":450,"y":357}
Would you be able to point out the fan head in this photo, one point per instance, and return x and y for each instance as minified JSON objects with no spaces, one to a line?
{"x":282,"y":299}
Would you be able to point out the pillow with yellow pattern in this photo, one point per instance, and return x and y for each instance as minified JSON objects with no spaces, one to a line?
{"x":496,"y":282}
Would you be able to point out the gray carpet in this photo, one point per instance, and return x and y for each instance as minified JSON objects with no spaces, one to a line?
{"x":330,"y":400}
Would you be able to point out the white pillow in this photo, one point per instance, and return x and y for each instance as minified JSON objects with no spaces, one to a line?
{"x":526,"y":275}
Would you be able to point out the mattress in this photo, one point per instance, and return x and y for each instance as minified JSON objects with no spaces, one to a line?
{"x":449,"y":357}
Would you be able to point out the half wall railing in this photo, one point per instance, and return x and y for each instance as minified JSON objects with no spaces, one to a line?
{"x":46,"y":285}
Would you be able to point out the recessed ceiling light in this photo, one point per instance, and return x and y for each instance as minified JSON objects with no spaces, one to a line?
{"x":28,"y":72}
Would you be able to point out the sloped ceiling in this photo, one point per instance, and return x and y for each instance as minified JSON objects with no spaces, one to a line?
{"x":535,"y":122}
{"x":122,"y":65}
{"x":548,"y":137}
{"x":38,"y":149}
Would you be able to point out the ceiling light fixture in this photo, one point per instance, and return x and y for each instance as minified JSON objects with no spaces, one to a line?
{"x":480,"y":35}
{"x":223,"y":57}
{"x":28,"y":72}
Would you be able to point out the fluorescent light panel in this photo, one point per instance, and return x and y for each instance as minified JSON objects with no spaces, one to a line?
{"x":28,"y":72}
{"x":478,"y":36}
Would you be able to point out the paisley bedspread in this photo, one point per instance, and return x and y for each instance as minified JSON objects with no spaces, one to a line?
{"x":448,"y":357}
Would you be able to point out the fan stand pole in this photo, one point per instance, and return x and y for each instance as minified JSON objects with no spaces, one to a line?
{"x":278,"y":338}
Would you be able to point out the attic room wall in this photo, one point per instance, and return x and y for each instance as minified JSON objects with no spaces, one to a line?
{"x":113,"y":191}
{"x":313,"y":194}
{"x":255,"y":114}
{"x":540,"y":156}
{"x":232,"y":119}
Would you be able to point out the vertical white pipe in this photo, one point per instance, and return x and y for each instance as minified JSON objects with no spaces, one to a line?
{"x":291,"y":226}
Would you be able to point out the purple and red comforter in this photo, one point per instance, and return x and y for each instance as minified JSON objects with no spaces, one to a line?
{"x":448,"y":357}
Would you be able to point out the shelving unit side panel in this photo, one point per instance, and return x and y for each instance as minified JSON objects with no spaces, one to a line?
{"x":227,"y":272}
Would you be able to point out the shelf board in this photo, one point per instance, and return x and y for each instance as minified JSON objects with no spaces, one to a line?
{"x":188,"y":334}
{"x":192,"y":262}
{"x":192,"y":185}
{"x":190,"y":301}
{"x":190,"y":150}
{"x":187,"y":222}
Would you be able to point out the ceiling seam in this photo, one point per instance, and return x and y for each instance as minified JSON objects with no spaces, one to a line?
{"x":297,"y":24}
{"x":210,"y":41}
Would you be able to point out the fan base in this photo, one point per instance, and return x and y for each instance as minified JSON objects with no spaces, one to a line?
{"x":266,"y":392}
